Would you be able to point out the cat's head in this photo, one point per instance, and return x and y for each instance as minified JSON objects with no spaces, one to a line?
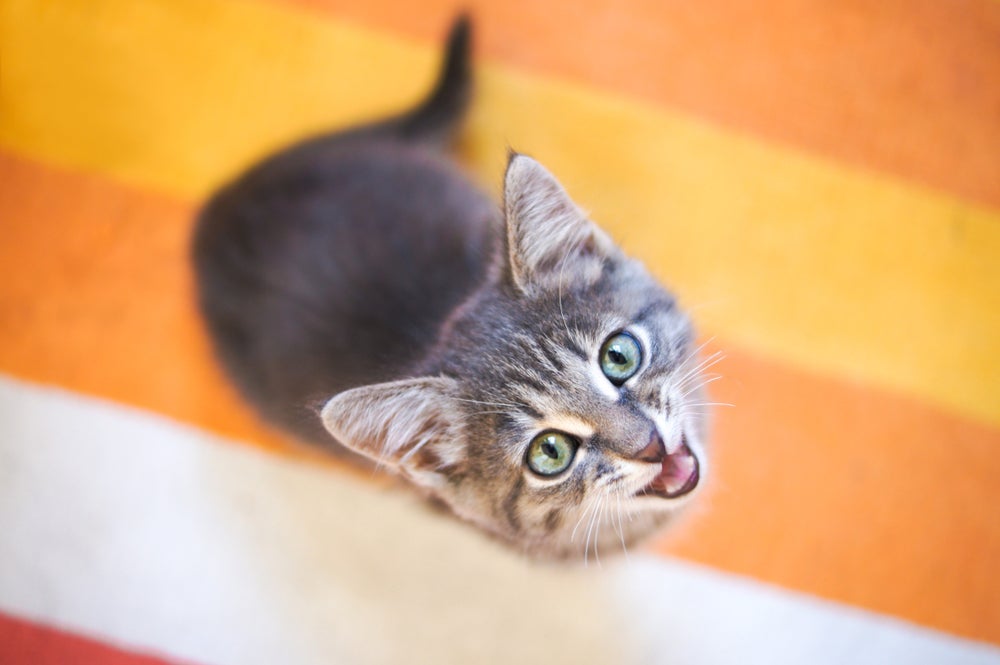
{"x":562,"y":412}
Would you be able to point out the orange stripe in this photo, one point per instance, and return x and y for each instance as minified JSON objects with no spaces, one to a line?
{"x":907,"y":87}
{"x":829,"y":488}
{"x":97,"y":298}
{"x":853,"y":494}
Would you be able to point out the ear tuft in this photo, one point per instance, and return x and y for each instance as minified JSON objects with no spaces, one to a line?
{"x":549,"y":239}
{"x":412,"y":425}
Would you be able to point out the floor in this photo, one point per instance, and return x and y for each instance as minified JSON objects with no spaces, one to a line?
{"x":817,"y":181}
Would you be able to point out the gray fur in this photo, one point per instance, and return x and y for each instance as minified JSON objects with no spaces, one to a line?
{"x":364,"y":296}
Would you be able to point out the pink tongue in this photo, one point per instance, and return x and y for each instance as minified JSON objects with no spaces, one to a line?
{"x":679,"y":474}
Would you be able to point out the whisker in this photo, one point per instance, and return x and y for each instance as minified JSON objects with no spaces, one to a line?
{"x":693,"y":353}
{"x":583,"y":514}
{"x":595,"y":519}
{"x":695,"y":378}
{"x":698,"y":376}
{"x":690,"y":354}
{"x":590,"y":527}
{"x":710,"y":359}
{"x":687,"y":390}
{"x":698,"y":412}
{"x":586,"y":540}
{"x":621,"y":529}
{"x":696,"y":382}
{"x":597,"y":534}
{"x":685,"y":365}
{"x":706,"y":363}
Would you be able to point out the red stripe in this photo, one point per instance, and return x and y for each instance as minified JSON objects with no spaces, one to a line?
{"x":28,"y":643}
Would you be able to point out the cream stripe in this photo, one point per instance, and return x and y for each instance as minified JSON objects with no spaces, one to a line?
{"x":137,"y":530}
{"x":835,"y":270}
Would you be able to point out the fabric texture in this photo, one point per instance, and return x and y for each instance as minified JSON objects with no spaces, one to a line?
{"x":819,"y":182}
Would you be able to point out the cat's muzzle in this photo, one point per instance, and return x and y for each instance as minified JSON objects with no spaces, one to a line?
{"x":679,"y":474}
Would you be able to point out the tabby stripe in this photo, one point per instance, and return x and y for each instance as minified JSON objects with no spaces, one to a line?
{"x":137,"y":531}
{"x":534,"y":384}
{"x":553,"y":520}
{"x":530,"y":411}
{"x":653,"y":308}
{"x":544,"y":347}
{"x":125,"y":328}
{"x":884,"y":85}
{"x":573,"y":347}
{"x":509,"y":505}
{"x":836,"y":258}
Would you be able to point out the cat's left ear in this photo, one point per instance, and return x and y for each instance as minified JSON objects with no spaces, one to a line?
{"x":550,"y":241}
{"x":413,"y":425}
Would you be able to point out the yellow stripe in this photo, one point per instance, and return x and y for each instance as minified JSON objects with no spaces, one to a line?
{"x":830,"y":268}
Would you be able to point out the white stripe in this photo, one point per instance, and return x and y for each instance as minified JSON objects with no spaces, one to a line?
{"x":138,"y":530}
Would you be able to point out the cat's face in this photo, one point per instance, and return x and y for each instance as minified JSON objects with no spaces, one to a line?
{"x":565,"y":414}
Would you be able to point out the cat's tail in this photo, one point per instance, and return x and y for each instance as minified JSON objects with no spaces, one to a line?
{"x":439,"y":116}
{"x":437,"y":119}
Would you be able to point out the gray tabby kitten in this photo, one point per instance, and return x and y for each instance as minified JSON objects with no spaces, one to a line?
{"x":517,"y":367}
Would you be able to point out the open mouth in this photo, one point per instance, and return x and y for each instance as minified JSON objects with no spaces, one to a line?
{"x":678,"y":474}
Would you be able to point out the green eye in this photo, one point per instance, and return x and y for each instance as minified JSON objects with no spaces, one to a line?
{"x":551,"y":453}
{"x":620,"y":358}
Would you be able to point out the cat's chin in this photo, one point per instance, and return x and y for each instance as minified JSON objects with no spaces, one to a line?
{"x":679,"y":475}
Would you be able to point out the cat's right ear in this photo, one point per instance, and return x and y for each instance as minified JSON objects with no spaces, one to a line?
{"x":413,"y":425}
{"x":550,"y":241}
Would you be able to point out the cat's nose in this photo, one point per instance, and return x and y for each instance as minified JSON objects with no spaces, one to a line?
{"x":654,"y":451}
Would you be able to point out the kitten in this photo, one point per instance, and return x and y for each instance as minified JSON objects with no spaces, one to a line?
{"x":514,"y":365}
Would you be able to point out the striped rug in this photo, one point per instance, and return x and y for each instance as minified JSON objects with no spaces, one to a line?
{"x":820,"y":181}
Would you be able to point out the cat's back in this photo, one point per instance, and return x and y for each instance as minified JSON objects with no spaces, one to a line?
{"x":334,"y":264}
